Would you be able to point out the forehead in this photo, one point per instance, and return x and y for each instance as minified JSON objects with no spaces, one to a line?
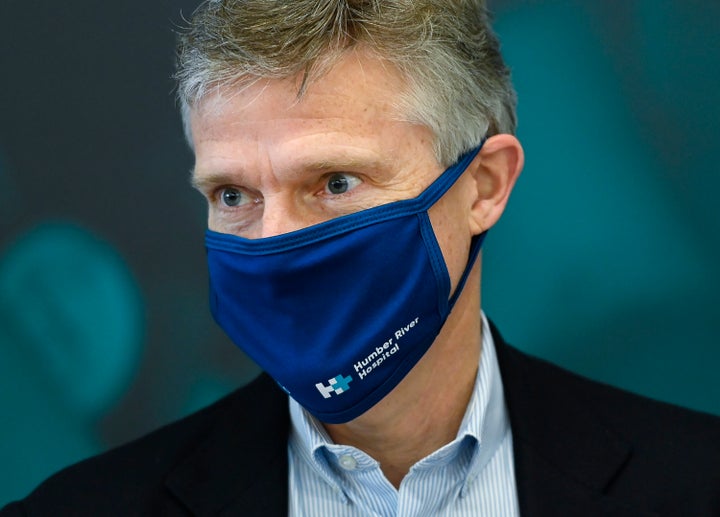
{"x":359,"y":85}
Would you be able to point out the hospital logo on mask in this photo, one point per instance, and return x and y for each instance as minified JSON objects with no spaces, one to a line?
{"x":338,"y":385}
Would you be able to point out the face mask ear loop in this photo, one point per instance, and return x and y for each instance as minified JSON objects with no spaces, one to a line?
{"x":475,"y":247}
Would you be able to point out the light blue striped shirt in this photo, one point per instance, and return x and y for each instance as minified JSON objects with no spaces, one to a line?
{"x":473,"y":475}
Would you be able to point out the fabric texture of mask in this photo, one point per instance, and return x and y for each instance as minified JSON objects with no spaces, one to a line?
{"x":339,"y":312}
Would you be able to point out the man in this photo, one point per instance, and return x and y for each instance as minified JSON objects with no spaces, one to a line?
{"x":353,"y":155}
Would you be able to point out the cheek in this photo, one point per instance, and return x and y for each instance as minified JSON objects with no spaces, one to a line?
{"x":213,"y":222}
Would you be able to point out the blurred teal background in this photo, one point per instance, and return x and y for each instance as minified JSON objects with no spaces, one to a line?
{"x":605,"y":262}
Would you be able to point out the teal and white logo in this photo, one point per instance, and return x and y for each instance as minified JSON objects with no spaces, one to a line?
{"x":337,"y":385}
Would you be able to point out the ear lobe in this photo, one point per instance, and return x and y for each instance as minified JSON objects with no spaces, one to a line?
{"x":495,"y":170}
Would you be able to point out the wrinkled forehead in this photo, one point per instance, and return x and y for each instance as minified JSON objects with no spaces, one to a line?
{"x":339,"y":80}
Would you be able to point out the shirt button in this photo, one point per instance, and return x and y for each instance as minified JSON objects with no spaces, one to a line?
{"x":347,"y":462}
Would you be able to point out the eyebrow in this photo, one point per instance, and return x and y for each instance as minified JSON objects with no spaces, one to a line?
{"x":345,"y":163}
{"x":209,"y":181}
{"x":340,"y":164}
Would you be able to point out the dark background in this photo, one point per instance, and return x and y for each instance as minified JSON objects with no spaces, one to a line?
{"x":606,"y":261}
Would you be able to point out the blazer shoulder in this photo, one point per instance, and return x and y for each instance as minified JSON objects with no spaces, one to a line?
{"x":654,"y":454}
{"x":636,"y":415}
{"x":131,"y":479}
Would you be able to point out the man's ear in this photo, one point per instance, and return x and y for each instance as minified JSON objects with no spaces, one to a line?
{"x":495,"y":170}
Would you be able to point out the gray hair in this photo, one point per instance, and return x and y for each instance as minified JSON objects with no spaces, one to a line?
{"x":457,"y":82}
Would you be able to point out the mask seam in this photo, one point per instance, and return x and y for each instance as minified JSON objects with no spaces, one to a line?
{"x":437,"y":263}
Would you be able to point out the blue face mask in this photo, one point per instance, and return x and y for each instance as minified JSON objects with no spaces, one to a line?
{"x":338,"y":313}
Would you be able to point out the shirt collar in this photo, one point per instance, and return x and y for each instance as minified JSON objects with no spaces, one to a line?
{"x":481,"y":431}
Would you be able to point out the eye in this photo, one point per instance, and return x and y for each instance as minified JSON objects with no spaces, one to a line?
{"x":233,"y":197}
{"x":341,"y":183}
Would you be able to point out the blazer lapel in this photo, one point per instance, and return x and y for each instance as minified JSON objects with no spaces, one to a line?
{"x":565,"y":460}
{"x":241,"y":467}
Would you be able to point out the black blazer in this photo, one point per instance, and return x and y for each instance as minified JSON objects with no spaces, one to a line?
{"x":581,"y":449}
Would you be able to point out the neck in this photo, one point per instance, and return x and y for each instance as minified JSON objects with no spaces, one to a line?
{"x":424,"y":411}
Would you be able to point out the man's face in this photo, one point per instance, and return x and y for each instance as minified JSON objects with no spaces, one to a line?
{"x":269,"y":163}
